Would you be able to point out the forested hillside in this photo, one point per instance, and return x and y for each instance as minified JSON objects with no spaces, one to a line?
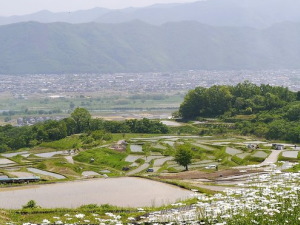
{"x":140,"y":47}
{"x":265,"y":111}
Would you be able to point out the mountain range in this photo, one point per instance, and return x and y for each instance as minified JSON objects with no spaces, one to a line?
{"x":136,"y":46}
{"x":251,"y":13}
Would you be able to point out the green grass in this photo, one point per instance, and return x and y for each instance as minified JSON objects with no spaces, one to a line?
{"x":186,"y":129}
{"x":60,"y":166}
{"x":63,"y":144}
{"x":103,"y":157}
{"x":37,"y":215}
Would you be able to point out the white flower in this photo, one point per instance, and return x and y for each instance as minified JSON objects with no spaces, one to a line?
{"x":45,"y":221}
{"x":79,"y":216}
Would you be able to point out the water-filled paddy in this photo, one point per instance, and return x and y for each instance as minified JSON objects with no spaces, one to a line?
{"x":290,"y":154}
{"x":49,"y":154}
{"x":46,"y":173}
{"x":260,"y":154}
{"x":233,"y":151}
{"x":136,"y":148}
{"x":125,"y":191}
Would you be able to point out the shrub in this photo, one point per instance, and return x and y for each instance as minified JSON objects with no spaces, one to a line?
{"x":30,"y":205}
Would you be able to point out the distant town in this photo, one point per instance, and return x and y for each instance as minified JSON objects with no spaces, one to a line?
{"x":40,"y":97}
{"x":57,"y":85}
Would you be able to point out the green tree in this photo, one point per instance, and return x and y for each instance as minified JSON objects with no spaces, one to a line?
{"x":293,"y":113}
{"x":82,"y":119}
{"x":70,"y":125}
{"x":183,"y":156}
{"x":219,"y":100}
{"x":193,"y":103}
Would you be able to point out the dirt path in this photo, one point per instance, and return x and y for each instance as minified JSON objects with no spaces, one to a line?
{"x":69,"y":159}
{"x":194,"y":174}
{"x":272,"y":158}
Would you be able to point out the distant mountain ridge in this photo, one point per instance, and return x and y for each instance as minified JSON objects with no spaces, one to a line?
{"x":249,"y":13}
{"x":82,"y":16}
{"x":139,"y":47}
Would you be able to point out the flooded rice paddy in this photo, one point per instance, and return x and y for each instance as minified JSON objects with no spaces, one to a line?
{"x":290,"y":154}
{"x":136,"y":148}
{"x":5,"y":161}
{"x":46,"y":173}
{"x":49,"y":154}
{"x":125,"y":191}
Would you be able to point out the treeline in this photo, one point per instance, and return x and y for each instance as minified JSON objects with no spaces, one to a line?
{"x":244,"y":98}
{"x":80,"y":121}
{"x":274,"y":112}
{"x":277,"y":124}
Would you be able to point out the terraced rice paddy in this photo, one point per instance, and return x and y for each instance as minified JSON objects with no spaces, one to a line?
{"x":233,"y":151}
{"x":4,"y":161}
{"x":161,"y":161}
{"x":260,"y":154}
{"x":9,"y":155}
{"x":49,"y":154}
{"x":133,"y":158}
{"x":204,"y":146}
{"x":136,"y":148}
{"x":153,"y":157}
{"x":159,"y":146}
{"x":290,"y":154}
{"x":46,"y":173}
{"x":243,"y":155}
{"x":132,"y":192}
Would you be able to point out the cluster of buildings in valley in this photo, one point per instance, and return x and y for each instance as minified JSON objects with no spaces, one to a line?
{"x":56,"y":85}
{"x":31,"y":120}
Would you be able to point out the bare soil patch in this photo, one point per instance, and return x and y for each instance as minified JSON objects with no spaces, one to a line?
{"x":204,"y":175}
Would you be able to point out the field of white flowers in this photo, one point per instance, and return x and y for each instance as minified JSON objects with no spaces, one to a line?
{"x":272,"y":198}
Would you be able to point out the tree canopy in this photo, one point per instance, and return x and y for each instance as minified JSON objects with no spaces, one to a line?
{"x":183,"y":156}
{"x":82,"y":119}
{"x":244,"y":98}
{"x":274,"y":112}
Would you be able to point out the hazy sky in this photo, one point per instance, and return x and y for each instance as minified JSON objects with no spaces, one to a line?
{"x":21,"y":7}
